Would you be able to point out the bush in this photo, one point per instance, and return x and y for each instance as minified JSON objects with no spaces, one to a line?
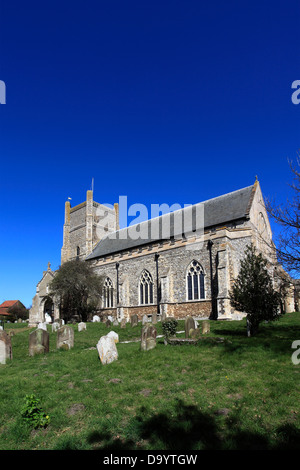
{"x":33,"y":414}
{"x":169,"y":327}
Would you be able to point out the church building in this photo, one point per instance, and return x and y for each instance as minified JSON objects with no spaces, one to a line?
{"x":160,"y":266}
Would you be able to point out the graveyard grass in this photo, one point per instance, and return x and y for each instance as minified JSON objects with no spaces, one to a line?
{"x":229,"y":393}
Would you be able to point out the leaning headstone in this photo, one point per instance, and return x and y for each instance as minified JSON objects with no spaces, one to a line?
{"x":38,"y":342}
{"x":65,"y":338}
{"x":55,"y":326}
{"x":5,"y":347}
{"x":107,"y":350}
{"x":96,"y":318}
{"x":134,"y":320}
{"x":148,"y":337}
{"x":123,"y":323}
{"x":43,"y":326}
{"x":114,"y":336}
{"x":144,"y":320}
{"x":205,"y":327}
{"x":189,"y":323}
{"x":81,"y":326}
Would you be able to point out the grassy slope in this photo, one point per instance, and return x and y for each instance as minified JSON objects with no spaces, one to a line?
{"x":241,"y":393}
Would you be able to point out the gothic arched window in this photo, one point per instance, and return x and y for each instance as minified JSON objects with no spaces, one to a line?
{"x":146,"y":288}
{"x":195,"y":281}
{"x":108,"y":293}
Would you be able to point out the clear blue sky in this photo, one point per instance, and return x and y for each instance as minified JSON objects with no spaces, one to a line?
{"x":162,"y":101}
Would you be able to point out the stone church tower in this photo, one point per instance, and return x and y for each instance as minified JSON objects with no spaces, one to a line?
{"x":85,"y":225}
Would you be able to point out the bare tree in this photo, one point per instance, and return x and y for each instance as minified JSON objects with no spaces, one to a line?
{"x":288,"y":218}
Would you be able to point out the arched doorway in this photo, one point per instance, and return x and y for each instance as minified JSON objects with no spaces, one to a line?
{"x":49,"y":309}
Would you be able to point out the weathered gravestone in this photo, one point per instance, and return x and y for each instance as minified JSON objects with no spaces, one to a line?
{"x":148,"y":337}
{"x":205,"y":327}
{"x":38,"y":342}
{"x":115,"y":322}
{"x":5,"y":347}
{"x":114,"y":336}
{"x":65,"y":338}
{"x":123,"y":323}
{"x":55,"y":326}
{"x":134,"y":320}
{"x":107,"y":350}
{"x":194,"y":333}
{"x":189,"y":324}
{"x":154,"y":318}
{"x":43,"y":325}
{"x":81,"y":326}
{"x":96,"y":318}
{"x":144,"y":320}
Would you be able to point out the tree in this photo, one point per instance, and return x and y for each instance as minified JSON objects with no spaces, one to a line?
{"x":288,"y":217}
{"x":78,"y":288}
{"x":253,"y":291}
{"x":18,"y":311}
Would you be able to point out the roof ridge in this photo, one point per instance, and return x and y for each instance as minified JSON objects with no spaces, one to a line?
{"x":229,"y":206}
{"x":177,"y":210}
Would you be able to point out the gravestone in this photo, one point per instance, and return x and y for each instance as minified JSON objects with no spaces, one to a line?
{"x":43,"y":325}
{"x":163,"y":316}
{"x":55,"y":326}
{"x":154,"y":318}
{"x":144,"y":320}
{"x":148,"y":337}
{"x":189,"y":324}
{"x":205,"y":327}
{"x":115,"y":322}
{"x":38,"y":342}
{"x":65,"y":338}
{"x":96,"y":318}
{"x":108,"y":323}
{"x":107,"y":350}
{"x":5,"y":347}
{"x":134,"y":320}
{"x":194,"y":333}
{"x":81,"y":326}
{"x":123,"y":323}
{"x":114,"y":336}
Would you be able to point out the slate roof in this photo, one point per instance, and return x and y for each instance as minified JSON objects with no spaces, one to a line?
{"x":217,"y":211}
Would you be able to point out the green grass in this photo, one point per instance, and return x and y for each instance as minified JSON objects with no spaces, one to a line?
{"x":238,"y":393}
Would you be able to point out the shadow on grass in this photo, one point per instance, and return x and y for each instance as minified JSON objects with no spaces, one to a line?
{"x":188,"y":428}
{"x":272,"y":335}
